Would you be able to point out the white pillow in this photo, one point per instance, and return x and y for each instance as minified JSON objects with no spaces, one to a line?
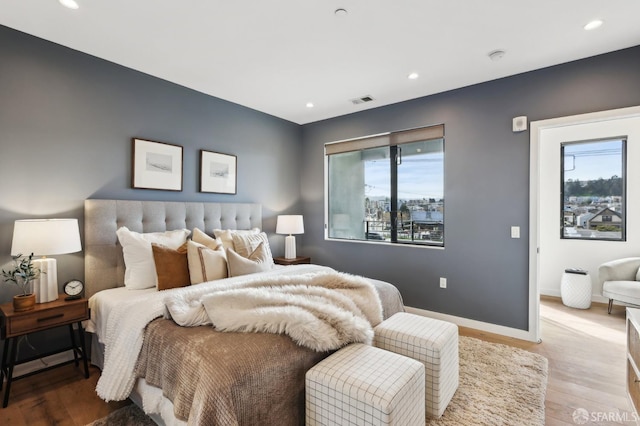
{"x":206,"y":264}
{"x":638,"y":275}
{"x":201,"y":238}
{"x":256,"y":262}
{"x":140,"y":269}
{"x":226,"y":235}
{"x":245,"y":244}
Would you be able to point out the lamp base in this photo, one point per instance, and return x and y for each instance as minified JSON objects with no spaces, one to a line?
{"x":46,"y":287}
{"x":290,"y":247}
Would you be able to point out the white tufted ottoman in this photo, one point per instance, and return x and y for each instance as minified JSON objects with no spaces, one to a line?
{"x":363,"y":385}
{"x":430,"y":341}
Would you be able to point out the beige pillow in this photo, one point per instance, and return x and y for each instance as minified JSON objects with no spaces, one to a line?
{"x":140,"y":269}
{"x":226,"y":235}
{"x":172,"y":267}
{"x":245,"y":244}
{"x":205,"y":264}
{"x":256,"y":262}
{"x":201,"y":238}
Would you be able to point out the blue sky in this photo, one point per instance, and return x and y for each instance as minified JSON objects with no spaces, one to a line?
{"x":592,"y":160}
{"x":419,"y":176}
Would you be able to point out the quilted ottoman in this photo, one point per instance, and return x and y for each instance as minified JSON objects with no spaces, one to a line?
{"x":364,"y":385}
{"x":430,"y":341}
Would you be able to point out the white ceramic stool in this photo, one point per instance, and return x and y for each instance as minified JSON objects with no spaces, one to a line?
{"x":432,"y":342}
{"x":364,"y":385}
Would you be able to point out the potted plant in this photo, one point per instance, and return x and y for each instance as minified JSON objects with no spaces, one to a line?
{"x":22,"y":274}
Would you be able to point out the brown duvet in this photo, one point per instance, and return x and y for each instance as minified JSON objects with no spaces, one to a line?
{"x":216,"y":378}
{"x":224,"y":378}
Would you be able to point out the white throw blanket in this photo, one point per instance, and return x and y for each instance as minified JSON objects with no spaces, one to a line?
{"x":126,"y":324}
{"x":319,"y":311}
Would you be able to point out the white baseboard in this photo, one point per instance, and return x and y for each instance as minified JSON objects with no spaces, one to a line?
{"x":38,"y":364}
{"x":555,"y":292}
{"x":477,"y":325}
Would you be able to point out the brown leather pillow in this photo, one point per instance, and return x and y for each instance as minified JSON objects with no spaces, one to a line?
{"x":172,"y":266}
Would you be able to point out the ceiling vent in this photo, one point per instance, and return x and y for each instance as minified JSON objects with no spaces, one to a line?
{"x":361,"y":100}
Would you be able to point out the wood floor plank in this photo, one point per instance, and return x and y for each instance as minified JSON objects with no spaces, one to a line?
{"x":45,"y":409}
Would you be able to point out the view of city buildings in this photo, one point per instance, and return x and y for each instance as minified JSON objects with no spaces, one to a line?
{"x":418,"y":220}
{"x":593,"y":206}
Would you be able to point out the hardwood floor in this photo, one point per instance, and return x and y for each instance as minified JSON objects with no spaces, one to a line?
{"x":61,"y":397}
{"x":585,"y":349}
{"x":587,"y":364}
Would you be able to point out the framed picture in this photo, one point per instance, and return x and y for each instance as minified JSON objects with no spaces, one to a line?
{"x":156,"y":165}
{"x":218,"y":172}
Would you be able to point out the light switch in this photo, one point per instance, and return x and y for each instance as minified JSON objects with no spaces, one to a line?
{"x":515,"y":232}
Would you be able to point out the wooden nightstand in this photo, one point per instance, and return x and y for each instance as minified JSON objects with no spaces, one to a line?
{"x":296,"y":261}
{"x":43,"y":317}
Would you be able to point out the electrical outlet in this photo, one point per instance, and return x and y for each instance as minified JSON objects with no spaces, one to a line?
{"x":443,"y":282}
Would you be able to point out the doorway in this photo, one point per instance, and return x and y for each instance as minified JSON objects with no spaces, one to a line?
{"x":549,"y":252}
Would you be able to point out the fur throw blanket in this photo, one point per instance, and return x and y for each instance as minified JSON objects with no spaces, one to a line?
{"x":321,"y":311}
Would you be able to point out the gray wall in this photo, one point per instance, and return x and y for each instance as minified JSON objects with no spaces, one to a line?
{"x":486,"y":184}
{"x":66,"y":123}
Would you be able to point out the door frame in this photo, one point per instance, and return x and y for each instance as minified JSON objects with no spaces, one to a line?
{"x":537,"y":127}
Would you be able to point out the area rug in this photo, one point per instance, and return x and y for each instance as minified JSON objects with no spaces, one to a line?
{"x":499,"y":385}
{"x":130,"y":415}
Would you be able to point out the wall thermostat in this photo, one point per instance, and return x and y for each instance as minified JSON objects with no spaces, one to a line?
{"x":520,"y":123}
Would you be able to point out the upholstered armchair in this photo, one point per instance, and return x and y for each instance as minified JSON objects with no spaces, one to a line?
{"x":620,"y":280}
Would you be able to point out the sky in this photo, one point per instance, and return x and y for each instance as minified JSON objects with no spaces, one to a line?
{"x":419,"y":176}
{"x":592,"y":160}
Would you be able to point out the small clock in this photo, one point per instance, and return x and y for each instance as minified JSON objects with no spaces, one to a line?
{"x":73,"y":289}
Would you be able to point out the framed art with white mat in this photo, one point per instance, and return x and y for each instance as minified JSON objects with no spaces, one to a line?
{"x":156,"y":165}
{"x":218,"y":172}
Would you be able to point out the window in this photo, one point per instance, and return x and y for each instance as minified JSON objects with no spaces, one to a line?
{"x":387,"y":188}
{"x":593,"y":189}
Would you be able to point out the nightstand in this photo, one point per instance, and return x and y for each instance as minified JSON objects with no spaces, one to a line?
{"x":295,"y":261}
{"x":43,"y":317}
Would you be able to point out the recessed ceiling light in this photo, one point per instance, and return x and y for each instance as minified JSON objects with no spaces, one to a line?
{"x":593,"y":25}
{"x":340,"y":12}
{"x":413,"y":76}
{"x":496,"y":55}
{"x":309,"y":104}
{"x":71,"y":4}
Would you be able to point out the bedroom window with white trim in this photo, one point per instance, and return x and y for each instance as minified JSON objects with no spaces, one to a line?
{"x":387,"y":188}
{"x":593,"y":188}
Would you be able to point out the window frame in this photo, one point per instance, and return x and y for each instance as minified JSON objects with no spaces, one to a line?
{"x":393,"y":140}
{"x":623,"y":201}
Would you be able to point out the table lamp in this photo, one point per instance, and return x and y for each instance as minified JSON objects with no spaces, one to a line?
{"x":290,"y":224}
{"x":45,"y":237}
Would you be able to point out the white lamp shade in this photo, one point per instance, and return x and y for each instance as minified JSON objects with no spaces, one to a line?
{"x":290,"y":224}
{"x":45,"y":237}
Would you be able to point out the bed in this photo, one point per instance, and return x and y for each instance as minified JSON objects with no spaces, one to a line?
{"x":195,"y":374}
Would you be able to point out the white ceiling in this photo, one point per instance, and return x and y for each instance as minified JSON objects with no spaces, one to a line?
{"x":275,"y":56}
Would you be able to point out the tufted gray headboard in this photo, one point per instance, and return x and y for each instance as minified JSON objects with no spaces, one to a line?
{"x":103,"y":261}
